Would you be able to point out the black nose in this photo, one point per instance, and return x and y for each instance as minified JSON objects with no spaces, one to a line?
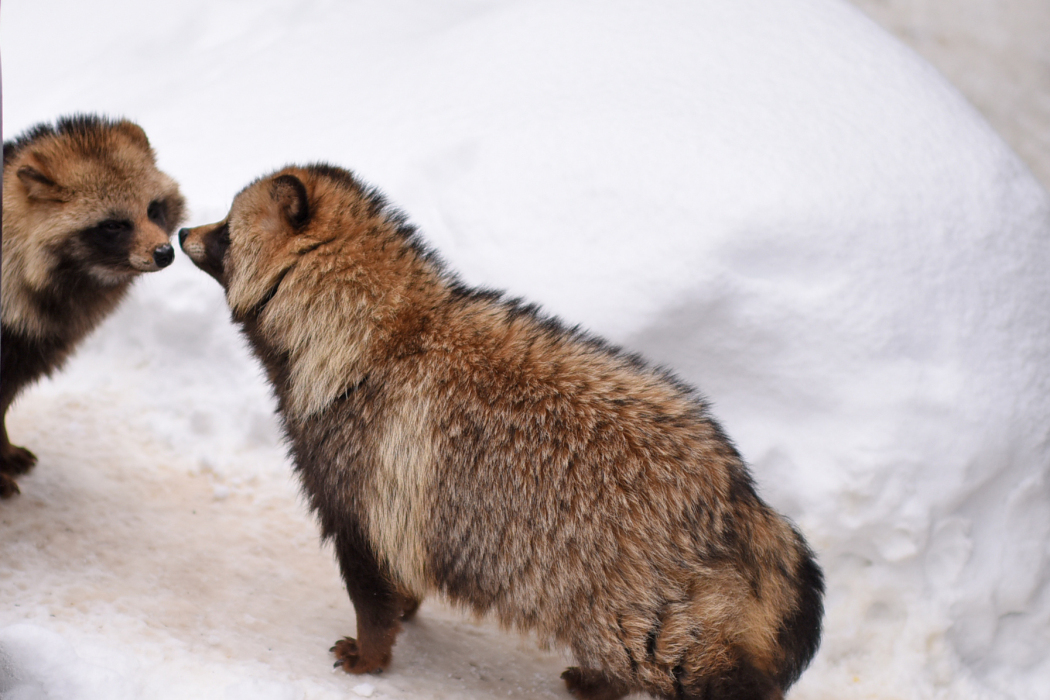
{"x":163,"y":255}
{"x":183,"y":232}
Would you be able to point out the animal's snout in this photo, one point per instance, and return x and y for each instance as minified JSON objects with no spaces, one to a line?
{"x":164,"y":254}
{"x":183,"y":232}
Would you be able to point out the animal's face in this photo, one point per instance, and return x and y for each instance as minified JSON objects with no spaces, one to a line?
{"x":262,"y":237}
{"x":101,"y":206}
{"x":314,"y":267}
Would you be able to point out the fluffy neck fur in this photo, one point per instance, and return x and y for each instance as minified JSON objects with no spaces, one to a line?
{"x":377,"y":297}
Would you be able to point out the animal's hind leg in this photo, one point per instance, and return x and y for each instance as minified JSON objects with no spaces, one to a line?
{"x":590,"y":684}
{"x":742,"y":682}
{"x":377,"y":604}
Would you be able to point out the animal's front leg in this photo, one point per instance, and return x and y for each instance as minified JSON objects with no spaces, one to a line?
{"x":378,"y":606}
{"x":13,"y":461}
{"x":8,"y":486}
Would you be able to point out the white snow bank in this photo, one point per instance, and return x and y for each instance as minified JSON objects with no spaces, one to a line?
{"x":772,"y":197}
{"x":35,"y":662}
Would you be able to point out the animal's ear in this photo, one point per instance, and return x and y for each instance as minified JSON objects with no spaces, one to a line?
{"x":289,"y":193}
{"x":41,"y":187}
{"x":134,"y":132}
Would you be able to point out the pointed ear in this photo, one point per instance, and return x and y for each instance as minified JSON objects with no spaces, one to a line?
{"x":41,"y":187}
{"x":289,"y":193}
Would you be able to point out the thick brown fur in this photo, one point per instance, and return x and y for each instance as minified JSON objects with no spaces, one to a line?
{"x":85,"y":211}
{"x":453,"y":441}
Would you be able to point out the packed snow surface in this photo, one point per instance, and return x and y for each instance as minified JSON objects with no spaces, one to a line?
{"x":772,"y":197}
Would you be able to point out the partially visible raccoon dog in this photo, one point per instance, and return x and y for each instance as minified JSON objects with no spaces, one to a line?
{"x":454,"y":441}
{"x":85,"y":212}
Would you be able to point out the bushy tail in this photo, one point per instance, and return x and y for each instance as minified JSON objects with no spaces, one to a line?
{"x":797,"y":640}
{"x":799,"y":637}
{"x":773,"y":635}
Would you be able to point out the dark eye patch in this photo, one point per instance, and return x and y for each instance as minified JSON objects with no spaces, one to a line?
{"x":108,"y":242}
{"x":218,"y":242}
{"x":114,"y":227}
{"x":158,"y":212}
{"x":215,"y":246}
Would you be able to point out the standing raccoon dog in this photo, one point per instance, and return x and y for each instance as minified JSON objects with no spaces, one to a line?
{"x":454,"y":441}
{"x":85,"y":212}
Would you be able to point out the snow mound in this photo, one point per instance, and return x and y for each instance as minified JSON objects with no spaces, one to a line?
{"x":772,"y":197}
{"x":36,"y":663}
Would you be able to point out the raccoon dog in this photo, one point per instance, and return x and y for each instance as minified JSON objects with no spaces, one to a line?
{"x":85,"y":212}
{"x":453,"y":441}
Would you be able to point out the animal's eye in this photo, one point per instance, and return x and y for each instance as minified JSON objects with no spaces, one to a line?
{"x":114,"y":226}
{"x":158,"y":213}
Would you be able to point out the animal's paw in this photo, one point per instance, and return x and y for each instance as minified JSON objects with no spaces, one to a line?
{"x":8,"y":487}
{"x":16,"y":460}
{"x":353,"y":660}
{"x":588,"y":684}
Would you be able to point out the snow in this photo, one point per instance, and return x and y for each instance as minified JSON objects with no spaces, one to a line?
{"x":771,"y":196}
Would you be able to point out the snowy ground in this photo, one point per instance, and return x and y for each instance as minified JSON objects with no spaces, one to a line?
{"x":771,"y":196}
